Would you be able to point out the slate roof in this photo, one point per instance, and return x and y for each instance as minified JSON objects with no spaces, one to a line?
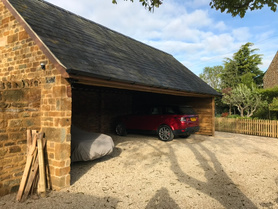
{"x":87,"y":48}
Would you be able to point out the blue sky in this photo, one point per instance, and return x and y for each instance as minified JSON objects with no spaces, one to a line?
{"x":190,"y":30}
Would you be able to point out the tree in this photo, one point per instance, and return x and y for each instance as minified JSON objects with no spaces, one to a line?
{"x":229,"y":76}
{"x":227,"y":98}
{"x":234,"y":7}
{"x":247,"y":100}
{"x":243,"y":68}
{"x":211,"y":75}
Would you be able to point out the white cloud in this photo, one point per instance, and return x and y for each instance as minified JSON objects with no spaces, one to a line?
{"x":198,"y":19}
{"x":241,"y":34}
{"x":219,"y":43}
{"x":221,"y":26}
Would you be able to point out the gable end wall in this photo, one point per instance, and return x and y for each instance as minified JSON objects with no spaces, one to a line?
{"x":30,"y":98}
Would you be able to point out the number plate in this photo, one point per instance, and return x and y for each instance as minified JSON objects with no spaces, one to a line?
{"x":193,"y":119}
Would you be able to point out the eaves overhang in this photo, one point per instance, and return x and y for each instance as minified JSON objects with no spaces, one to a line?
{"x":95,"y":80}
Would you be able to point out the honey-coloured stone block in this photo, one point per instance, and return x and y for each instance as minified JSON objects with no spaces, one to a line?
{"x":62,"y":171}
{"x":12,"y":38}
{"x":54,"y":134}
{"x":60,"y":182}
{"x":15,"y":123}
{"x":22,"y":35}
{"x":59,"y":91}
{"x":62,"y":151}
{"x":13,"y":95}
{"x":15,"y":149}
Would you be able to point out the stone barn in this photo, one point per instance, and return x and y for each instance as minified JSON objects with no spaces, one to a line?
{"x":59,"y":69}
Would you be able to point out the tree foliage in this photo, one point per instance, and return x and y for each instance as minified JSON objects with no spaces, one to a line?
{"x":269,"y":93}
{"x":237,"y":80}
{"x":273,"y":106}
{"x":239,"y":7}
{"x":149,"y":4}
{"x":243,"y":68}
{"x":234,"y":7}
{"x":211,"y":75}
{"x":229,"y":76}
{"x":270,"y":96}
{"x":246,"y":99}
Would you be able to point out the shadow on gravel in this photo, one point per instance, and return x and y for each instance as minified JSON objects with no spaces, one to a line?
{"x":218,"y":184}
{"x":162,"y":199}
{"x":61,"y":200}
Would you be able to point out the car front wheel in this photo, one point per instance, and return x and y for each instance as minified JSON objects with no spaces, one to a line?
{"x":165,"y":133}
{"x":120,"y":129}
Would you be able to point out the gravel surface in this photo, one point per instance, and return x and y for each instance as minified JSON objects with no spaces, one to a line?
{"x":224,"y":171}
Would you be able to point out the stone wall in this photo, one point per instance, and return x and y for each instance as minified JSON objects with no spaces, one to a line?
{"x":271,"y":76}
{"x":30,"y":98}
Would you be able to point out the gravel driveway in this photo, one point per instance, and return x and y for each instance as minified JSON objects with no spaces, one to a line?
{"x":225,"y":171}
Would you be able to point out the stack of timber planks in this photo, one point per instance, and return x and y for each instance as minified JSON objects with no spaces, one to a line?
{"x":34,"y":178}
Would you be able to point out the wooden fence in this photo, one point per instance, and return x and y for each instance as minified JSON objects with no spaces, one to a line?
{"x":267,"y":128}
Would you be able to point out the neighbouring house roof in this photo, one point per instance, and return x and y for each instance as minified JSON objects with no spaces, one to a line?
{"x":85,"y":48}
{"x":270,"y":78}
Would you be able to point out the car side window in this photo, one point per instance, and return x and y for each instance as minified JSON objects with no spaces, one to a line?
{"x":169,"y":110}
{"x":155,"y":111}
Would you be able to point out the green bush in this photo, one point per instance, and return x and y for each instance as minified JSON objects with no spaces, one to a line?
{"x":234,"y":116}
{"x":269,"y":94}
{"x":262,"y":113}
{"x":270,"y":109}
{"x":238,"y":116}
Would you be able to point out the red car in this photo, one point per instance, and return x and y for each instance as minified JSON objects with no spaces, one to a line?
{"x":167,"y":121}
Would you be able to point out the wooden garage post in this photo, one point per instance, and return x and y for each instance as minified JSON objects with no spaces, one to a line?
{"x":213,"y":115}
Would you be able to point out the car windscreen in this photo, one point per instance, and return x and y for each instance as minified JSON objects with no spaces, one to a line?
{"x":187,"y":111}
{"x":179,"y":110}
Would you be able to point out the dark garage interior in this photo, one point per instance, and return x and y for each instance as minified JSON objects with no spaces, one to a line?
{"x":95,"y":109}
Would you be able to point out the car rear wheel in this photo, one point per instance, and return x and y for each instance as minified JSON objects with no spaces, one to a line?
{"x":165,"y":133}
{"x":120,"y":129}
